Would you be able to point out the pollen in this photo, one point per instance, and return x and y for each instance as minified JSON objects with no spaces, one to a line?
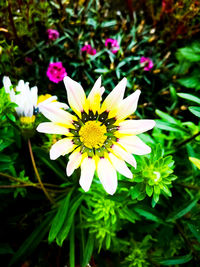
{"x":27,"y":120}
{"x":92,"y":134}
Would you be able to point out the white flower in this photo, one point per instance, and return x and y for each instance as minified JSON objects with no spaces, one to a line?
{"x":98,"y":136}
{"x":27,"y":100}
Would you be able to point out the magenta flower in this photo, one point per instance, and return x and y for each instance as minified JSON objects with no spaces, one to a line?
{"x":56,"y":72}
{"x":52,"y":34}
{"x":147,"y":63}
{"x":112,"y":44}
{"x":89,"y":49}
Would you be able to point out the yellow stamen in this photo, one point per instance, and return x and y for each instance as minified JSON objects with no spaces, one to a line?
{"x":92,"y":134}
{"x":41,"y":98}
{"x":27,"y":120}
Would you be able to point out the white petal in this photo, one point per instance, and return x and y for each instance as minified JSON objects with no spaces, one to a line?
{"x":87,"y":173}
{"x":107,"y":175}
{"x":121,"y":153}
{"x":75,"y":94}
{"x":34,"y":95}
{"x":55,"y":114}
{"x":128,"y":106}
{"x":7,"y":84}
{"x":115,"y":97}
{"x":74,"y":162}
{"x":62,"y":147}
{"x":135,"y":126}
{"x":51,"y":128}
{"x":134,"y":145}
{"x":120,"y":166}
{"x":94,"y":97}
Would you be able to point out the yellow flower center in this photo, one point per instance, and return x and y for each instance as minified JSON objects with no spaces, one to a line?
{"x":92,"y":134}
{"x":27,"y":120}
{"x":41,"y":98}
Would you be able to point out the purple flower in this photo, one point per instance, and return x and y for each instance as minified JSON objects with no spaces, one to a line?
{"x":56,"y":72}
{"x":112,"y":44}
{"x":88,"y":49}
{"x":52,"y":34}
{"x":147,"y":63}
{"x":28,"y":60}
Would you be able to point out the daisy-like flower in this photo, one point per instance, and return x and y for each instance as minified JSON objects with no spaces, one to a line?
{"x":28,"y":102}
{"x":98,"y":136}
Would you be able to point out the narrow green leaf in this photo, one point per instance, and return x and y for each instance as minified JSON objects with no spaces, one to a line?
{"x":195,"y":231}
{"x":176,"y":260}
{"x":59,"y":218}
{"x":165,"y":116}
{"x":148,"y":214}
{"x":195,"y":110}
{"x":63,"y":233}
{"x":163,"y":125}
{"x":149,"y":190}
{"x":189,"y":97}
{"x":32,"y":241}
{"x":88,"y":251}
{"x":72,"y":247}
{"x":182,"y":211}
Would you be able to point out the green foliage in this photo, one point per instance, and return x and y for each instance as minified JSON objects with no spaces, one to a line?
{"x":153,"y":176}
{"x":152,"y":219}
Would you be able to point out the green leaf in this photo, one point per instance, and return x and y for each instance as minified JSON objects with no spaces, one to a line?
{"x":149,"y":190}
{"x":63,"y":233}
{"x":88,"y":251}
{"x":110,"y":23}
{"x":176,"y":260}
{"x":195,"y":231}
{"x":148,"y":214}
{"x":190,"y":81}
{"x":32,"y":241}
{"x":165,"y":116}
{"x":127,"y":214}
{"x":72,"y":247}
{"x":182,"y":211}
{"x":163,"y":125}
{"x":189,"y":97}
{"x":59,"y":218}
{"x":195,"y":161}
{"x":195,"y":110}
{"x":5,"y":249}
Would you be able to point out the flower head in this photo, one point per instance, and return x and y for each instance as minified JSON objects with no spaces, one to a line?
{"x":98,"y":136}
{"x":147,"y":63}
{"x":56,"y":72}
{"x":88,"y":49}
{"x":52,"y":34}
{"x":27,"y":100}
{"x":112,"y":44}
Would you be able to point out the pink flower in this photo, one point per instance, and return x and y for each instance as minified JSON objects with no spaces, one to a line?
{"x":112,"y":44}
{"x":89,"y":50}
{"x":28,"y":60}
{"x":56,"y":72}
{"x":52,"y":34}
{"x":147,"y":63}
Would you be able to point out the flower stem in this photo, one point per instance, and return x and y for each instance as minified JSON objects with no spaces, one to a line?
{"x":188,"y":140}
{"x":37,"y":173}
